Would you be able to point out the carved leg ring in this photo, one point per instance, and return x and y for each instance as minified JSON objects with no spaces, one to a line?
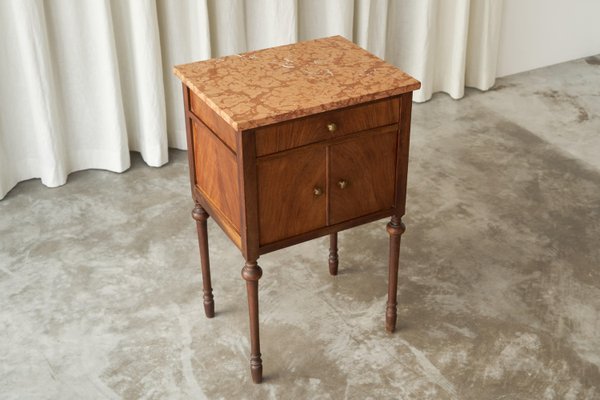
{"x":333,"y":254}
{"x":395,"y":229}
{"x":200,"y":215}
{"x":251,"y":274}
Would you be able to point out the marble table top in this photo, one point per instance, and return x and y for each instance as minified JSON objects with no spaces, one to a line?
{"x":272,"y":85}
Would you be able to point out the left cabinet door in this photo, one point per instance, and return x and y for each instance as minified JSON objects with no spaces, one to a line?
{"x":291,"y":193}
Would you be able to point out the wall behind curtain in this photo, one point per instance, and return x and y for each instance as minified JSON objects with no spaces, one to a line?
{"x":84,"y":83}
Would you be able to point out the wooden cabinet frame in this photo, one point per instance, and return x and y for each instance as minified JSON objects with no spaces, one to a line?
{"x":253,"y":120}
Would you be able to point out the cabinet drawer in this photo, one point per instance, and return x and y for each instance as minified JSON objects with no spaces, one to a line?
{"x":302,"y":131}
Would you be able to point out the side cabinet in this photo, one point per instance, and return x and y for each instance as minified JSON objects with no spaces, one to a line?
{"x":292,"y":143}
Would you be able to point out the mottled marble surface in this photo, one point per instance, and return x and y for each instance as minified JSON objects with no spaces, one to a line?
{"x":101,"y":298}
{"x":267,"y":86}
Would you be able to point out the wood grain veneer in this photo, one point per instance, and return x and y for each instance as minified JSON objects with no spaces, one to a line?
{"x":299,"y":132}
{"x":287,"y":204}
{"x":216,"y":173}
{"x":367,"y":166}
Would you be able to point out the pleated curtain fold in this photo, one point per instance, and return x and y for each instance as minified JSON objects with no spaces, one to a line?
{"x":83,"y":83}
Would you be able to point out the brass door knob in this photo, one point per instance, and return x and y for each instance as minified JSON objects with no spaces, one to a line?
{"x":342,"y":183}
{"x":331,"y":127}
{"x":317,"y":191}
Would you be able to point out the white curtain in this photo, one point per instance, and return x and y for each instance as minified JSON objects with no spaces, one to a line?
{"x":82,"y":83}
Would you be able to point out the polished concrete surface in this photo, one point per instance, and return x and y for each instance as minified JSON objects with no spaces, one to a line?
{"x":100,"y":289}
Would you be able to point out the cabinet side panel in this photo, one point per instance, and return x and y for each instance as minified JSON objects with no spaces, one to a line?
{"x":216,"y":173}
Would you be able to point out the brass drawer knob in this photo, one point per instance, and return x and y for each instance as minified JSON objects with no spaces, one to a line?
{"x":317,"y":191}
{"x":331,"y":127}
{"x":342,"y":183}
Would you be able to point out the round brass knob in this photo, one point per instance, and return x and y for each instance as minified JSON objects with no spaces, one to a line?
{"x":331,"y":127}
{"x":317,"y":191}
{"x":342,"y":183}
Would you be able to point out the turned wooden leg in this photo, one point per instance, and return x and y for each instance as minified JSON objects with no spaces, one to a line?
{"x":251,"y":274}
{"x":333,"y":253}
{"x":200,"y":215}
{"x":395,"y":228}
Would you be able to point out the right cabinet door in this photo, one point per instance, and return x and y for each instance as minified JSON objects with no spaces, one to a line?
{"x":362,"y":174}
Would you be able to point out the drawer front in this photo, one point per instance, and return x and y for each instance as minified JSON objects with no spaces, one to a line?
{"x":299,"y":132}
{"x":362,"y":173}
{"x":287,"y":202}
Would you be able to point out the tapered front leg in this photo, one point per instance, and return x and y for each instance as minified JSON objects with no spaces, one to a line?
{"x":251,"y":274}
{"x":395,"y":229}
{"x":200,"y":215}
{"x":333,"y":254}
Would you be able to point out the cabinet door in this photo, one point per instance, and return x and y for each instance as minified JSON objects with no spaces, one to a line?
{"x":362,"y":174}
{"x":291,"y":193}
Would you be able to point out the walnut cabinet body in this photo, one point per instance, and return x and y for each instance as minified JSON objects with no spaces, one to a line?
{"x":275,"y":180}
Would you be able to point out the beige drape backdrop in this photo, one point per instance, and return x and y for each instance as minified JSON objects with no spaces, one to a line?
{"x":84,"y":82}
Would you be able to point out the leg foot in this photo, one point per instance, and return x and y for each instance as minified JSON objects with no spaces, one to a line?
{"x":395,"y":229}
{"x":256,"y":368}
{"x":333,"y":254}
{"x":200,"y":215}
{"x":251,"y":274}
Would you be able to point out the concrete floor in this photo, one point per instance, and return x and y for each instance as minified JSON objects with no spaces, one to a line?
{"x":100,"y":291}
